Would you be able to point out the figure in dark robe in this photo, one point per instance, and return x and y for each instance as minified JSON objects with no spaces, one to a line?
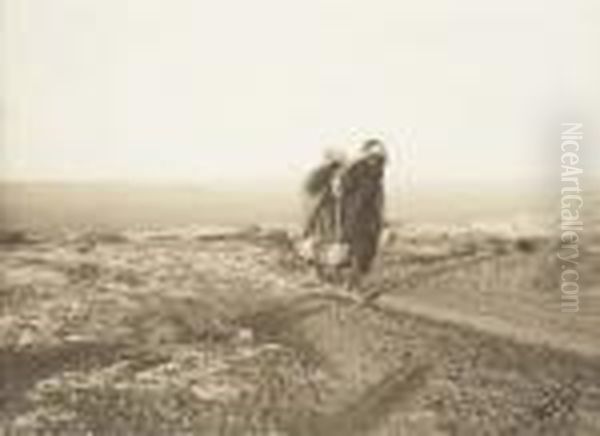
{"x":346,"y":214}
{"x":363,"y":206}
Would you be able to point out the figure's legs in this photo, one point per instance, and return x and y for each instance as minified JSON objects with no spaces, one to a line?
{"x":364,"y":250}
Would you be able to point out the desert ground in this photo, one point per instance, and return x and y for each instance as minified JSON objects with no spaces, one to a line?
{"x":223,"y":331}
{"x":190,"y":330}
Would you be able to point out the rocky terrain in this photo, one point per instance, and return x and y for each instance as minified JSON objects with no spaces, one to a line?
{"x":196,"y":331}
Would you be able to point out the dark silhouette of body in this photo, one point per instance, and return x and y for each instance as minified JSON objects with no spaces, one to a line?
{"x":347,"y":207}
{"x":362,"y":205}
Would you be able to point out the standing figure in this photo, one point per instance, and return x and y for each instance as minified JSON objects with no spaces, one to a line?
{"x":345,"y":218}
{"x":323,"y":225}
{"x":322,"y":190}
{"x":363,"y":207}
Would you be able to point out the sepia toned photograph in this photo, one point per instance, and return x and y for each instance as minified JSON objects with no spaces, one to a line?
{"x":299,"y":218}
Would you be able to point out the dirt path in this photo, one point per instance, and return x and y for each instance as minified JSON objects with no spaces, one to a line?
{"x":500,"y":355}
{"x":399,"y":372}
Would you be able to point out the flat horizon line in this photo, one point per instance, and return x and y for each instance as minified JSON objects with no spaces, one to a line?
{"x":277,"y":184}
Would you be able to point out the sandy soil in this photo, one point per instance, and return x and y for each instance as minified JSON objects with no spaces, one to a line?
{"x":224,"y":332}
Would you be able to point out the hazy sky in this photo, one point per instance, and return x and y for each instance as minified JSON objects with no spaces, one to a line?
{"x":200,"y":91}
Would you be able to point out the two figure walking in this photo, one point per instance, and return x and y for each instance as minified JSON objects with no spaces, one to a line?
{"x":345,"y":219}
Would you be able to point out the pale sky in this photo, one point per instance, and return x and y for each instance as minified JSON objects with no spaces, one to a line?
{"x":240,"y":91}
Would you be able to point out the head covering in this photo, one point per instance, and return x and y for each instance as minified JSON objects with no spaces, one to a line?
{"x":373,"y":148}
